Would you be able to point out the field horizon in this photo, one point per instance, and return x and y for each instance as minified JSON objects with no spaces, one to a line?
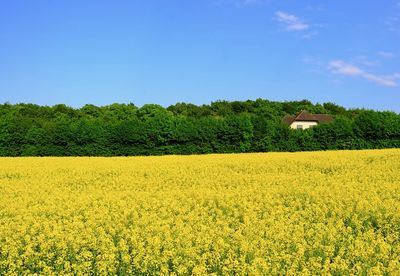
{"x":204,"y":154}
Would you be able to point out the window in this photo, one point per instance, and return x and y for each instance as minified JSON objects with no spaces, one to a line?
{"x":299,"y":126}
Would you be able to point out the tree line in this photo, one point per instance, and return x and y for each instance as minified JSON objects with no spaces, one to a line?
{"x":220,"y":127}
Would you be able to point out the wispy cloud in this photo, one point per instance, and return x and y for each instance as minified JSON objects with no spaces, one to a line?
{"x":366,"y":61}
{"x":346,"y":69}
{"x":387,"y":55}
{"x":393,"y":21}
{"x":292,"y":23}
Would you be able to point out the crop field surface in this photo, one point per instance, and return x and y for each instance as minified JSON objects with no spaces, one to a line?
{"x":311,"y":213}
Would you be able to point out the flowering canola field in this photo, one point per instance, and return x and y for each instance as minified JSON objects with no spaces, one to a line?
{"x":269,"y":213}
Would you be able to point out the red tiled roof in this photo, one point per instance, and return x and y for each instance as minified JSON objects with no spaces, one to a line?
{"x":306,"y":116}
{"x":324,"y":118}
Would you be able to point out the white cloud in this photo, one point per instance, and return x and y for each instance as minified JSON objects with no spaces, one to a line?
{"x":393,"y":22}
{"x":387,"y":55}
{"x":381,"y":80}
{"x":291,"y":22}
{"x":343,"y":68}
{"x":366,"y":61}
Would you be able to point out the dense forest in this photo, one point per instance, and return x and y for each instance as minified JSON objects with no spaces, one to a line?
{"x":220,"y":127}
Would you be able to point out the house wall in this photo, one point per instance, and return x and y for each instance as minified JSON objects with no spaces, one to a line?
{"x":305,"y":124}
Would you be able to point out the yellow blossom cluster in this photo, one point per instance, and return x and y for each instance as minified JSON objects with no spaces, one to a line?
{"x":310,"y":213}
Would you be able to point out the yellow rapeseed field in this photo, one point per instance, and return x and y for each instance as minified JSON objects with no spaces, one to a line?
{"x":270,"y":213}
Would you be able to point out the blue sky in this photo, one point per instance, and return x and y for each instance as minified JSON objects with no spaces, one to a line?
{"x":101,"y":52}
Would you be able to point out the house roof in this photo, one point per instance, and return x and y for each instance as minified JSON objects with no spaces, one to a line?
{"x":306,"y":116}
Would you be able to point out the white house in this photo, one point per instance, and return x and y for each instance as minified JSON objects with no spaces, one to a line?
{"x":304,"y":120}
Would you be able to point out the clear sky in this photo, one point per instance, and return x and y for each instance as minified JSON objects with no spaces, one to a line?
{"x":101,"y":52}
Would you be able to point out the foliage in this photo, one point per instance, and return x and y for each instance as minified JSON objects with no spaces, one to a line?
{"x":221,"y":127}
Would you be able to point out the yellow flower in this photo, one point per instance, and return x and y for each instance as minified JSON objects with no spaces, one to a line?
{"x":335,"y":212}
